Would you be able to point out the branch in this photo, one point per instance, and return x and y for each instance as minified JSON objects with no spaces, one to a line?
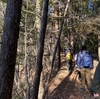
{"x":32,"y":13}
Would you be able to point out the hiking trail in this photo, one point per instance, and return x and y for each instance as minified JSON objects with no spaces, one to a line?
{"x":66,"y":85}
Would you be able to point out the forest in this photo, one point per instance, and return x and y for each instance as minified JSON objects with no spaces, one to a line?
{"x":33,"y":37}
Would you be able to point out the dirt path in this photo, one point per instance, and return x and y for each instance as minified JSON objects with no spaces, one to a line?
{"x":66,"y":85}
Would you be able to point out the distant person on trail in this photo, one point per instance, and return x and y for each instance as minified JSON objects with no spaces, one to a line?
{"x":96,"y":82}
{"x":85,"y":64}
{"x":79,"y":54}
{"x":79,"y":57}
{"x":68,"y":56}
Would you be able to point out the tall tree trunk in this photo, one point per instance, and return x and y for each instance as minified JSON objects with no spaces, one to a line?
{"x":60,"y":31}
{"x":40,"y":50}
{"x":25,"y":59}
{"x":59,"y":58}
{"x":38,"y":23}
{"x":56,"y":13}
{"x":38,"y":20}
{"x":9,"y":47}
{"x":56,"y":45}
{"x":38,"y":11}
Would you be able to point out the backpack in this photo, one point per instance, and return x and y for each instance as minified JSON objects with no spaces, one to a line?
{"x":68,"y":55}
{"x":87,"y":59}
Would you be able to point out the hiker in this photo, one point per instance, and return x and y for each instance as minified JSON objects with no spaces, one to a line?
{"x":79,"y":56}
{"x":85,"y":64}
{"x":68,"y":56}
{"x":96,"y":82}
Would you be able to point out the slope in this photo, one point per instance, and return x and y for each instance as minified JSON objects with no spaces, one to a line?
{"x":67,"y":86}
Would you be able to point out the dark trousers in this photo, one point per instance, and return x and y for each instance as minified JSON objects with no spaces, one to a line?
{"x":69,"y":65}
{"x":86,"y":78}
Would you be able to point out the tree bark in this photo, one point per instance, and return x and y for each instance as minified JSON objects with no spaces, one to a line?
{"x":25,"y":60}
{"x":9,"y":47}
{"x":38,"y":24}
{"x":40,"y":51}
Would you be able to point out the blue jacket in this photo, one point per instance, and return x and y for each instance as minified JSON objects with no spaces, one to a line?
{"x":84,"y":59}
{"x":87,"y":60}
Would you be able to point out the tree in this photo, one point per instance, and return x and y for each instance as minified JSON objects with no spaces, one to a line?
{"x":38,"y":25}
{"x":25,"y":59}
{"x":59,"y":34}
{"x":40,"y":50}
{"x":9,"y":47}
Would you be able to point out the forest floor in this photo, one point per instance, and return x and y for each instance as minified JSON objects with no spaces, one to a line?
{"x":67,"y":86}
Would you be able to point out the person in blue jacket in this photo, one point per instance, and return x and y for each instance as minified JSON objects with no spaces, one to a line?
{"x":85,"y":64}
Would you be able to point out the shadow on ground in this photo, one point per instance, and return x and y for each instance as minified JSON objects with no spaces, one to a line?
{"x":66,"y":85}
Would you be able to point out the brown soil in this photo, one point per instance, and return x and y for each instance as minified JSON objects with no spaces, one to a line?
{"x":67,"y":86}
